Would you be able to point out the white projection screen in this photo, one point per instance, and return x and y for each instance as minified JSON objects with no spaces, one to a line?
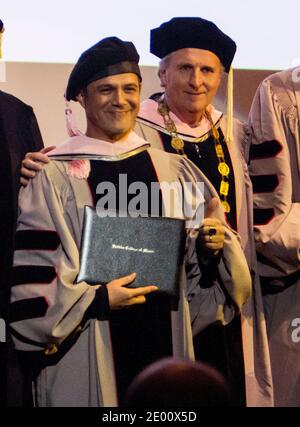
{"x":42,"y":41}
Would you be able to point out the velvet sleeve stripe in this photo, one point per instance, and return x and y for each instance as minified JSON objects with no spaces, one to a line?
{"x":31,"y":308}
{"x":209,"y":270}
{"x":264,"y":183}
{"x":264,"y":260}
{"x":263,"y":216}
{"x":33,"y":274}
{"x":25,"y":340}
{"x":271,"y":285}
{"x":37,"y":240}
{"x":265,"y":150}
{"x":99,"y":308}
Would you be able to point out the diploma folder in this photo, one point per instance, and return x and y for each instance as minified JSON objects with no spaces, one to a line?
{"x":114,"y":246}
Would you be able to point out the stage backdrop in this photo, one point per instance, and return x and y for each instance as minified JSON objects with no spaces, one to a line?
{"x":43,"y":39}
{"x":42,"y":85}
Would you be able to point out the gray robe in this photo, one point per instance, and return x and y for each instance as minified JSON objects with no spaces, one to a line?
{"x":258,"y":380}
{"x":84,"y":374}
{"x":275,"y":169}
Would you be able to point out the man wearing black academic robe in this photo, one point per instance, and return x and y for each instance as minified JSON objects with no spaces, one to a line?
{"x":19,"y":133}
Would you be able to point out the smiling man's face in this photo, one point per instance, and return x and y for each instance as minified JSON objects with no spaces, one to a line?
{"x":111,"y":105}
{"x":191,"y":78}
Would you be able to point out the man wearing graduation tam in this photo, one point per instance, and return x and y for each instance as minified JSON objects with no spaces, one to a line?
{"x":194,"y":54}
{"x":82,"y":347}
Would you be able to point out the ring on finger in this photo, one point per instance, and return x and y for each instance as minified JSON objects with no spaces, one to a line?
{"x":212,"y":232}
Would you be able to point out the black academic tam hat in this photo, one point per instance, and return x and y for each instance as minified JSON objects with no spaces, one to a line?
{"x":108,"y":57}
{"x":1,"y":26}
{"x":181,"y":33}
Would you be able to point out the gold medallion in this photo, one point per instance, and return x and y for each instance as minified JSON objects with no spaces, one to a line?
{"x":226,"y":206}
{"x":223,"y":168}
{"x":224,"y":188}
{"x":177,"y":143}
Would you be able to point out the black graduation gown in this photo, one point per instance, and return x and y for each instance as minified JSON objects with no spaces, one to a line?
{"x":19,"y":134}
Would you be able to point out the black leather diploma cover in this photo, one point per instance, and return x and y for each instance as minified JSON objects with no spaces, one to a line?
{"x":112,"y":247}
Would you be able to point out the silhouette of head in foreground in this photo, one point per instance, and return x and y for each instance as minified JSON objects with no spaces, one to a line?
{"x":173,"y":382}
